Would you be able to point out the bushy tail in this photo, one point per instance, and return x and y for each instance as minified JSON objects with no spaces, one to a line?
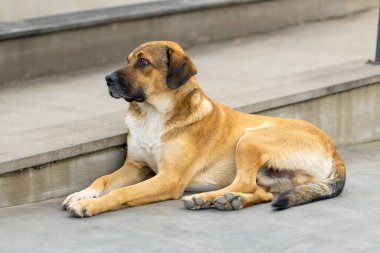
{"x":329,"y":188}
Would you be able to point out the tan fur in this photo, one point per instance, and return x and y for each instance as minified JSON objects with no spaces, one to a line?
{"x":207,"y":146}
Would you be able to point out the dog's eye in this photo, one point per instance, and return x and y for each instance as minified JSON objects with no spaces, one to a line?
{"x":141,"y":62}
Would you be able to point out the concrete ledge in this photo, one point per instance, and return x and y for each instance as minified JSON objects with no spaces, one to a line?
{"x":62,"y":43}
{"x":306,"y":86}
{"x":43,"y":25}
{"x":54,"y":143}
{"x":57,"y":23}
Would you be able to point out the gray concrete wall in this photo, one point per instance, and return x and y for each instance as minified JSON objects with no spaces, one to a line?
{"x":60,"y":51}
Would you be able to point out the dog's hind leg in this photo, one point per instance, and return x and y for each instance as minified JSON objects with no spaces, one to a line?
{"x":248,"y":159}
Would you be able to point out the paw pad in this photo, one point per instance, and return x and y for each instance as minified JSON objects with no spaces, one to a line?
{"x":194,"y":203}
{"x":228,"y":202}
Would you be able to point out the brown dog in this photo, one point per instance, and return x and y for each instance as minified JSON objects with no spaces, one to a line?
{"x":179,"y":139}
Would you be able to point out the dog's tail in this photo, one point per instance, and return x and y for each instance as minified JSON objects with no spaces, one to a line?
{"x":328,"y":188}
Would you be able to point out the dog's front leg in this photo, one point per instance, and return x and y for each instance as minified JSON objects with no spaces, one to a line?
{"x":161,"y":187}
{"x":131,"y":173}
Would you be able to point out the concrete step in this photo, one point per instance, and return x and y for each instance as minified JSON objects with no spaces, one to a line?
{"x":61,"y":43}
{"x":332,"y":87}
{"x":348,"y":223}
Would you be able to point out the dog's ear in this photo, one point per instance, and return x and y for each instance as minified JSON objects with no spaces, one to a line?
{"x":180,"y":68}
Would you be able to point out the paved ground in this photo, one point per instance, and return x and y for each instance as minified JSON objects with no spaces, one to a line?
{"x":225,"y":69}
{"x":349,"y":223}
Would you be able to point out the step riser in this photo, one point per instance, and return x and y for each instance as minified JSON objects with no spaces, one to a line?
{"x":57,"y":179}
{"x":50,"y":53}
{"x":348,"y":117}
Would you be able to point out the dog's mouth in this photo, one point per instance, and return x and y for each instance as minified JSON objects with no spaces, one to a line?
{"x":117,"y":96}
{"x":120,"y":87}
{"x":127,"y":97}
{"x":114,"y":95}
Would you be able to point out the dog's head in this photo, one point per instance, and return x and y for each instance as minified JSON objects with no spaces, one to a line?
{"x":153,"y":68}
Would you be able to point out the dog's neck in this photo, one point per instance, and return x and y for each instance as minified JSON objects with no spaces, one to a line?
{"x":182,"y":106}
{"x":190,"y":105}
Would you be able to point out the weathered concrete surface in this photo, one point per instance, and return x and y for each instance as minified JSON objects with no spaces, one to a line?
{"x":349,"y":223}
{"x":56,"y":179}
{"x":95,"y":41}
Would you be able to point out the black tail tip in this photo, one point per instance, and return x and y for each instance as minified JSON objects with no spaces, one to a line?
{"x":281,"y":203}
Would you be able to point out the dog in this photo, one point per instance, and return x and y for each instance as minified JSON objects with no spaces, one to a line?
{"x":181,"y":140}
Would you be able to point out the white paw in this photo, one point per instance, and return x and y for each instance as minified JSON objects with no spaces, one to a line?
{"x":82,"y":208}
{"x":84,"y":194}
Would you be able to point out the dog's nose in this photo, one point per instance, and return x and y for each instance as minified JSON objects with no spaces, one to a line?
{"x":111,"y":78}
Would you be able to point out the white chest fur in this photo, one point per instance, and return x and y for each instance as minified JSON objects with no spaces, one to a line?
{"x":144,"y":140}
